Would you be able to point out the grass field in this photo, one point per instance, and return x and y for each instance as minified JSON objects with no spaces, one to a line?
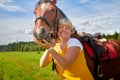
{"x":24,"y":66}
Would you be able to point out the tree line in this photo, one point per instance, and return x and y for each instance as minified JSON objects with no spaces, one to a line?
{"x":116,"y":35}
{"x":32,"y":46}
{"x":21,"y":47}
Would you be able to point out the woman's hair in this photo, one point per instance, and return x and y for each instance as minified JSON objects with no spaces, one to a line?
{"x":65,"y":22}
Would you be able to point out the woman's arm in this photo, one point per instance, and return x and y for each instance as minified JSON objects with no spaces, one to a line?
{"x":68,"y":59}
{"x":45,"y":59}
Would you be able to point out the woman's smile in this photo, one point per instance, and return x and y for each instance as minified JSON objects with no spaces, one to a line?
{"x":63,"y":33}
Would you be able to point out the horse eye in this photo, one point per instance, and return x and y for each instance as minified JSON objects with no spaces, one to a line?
{"x":52,"y":10}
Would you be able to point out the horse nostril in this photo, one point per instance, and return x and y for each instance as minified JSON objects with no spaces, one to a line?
{"x":42,"y":30}
{"x":41,"y":33}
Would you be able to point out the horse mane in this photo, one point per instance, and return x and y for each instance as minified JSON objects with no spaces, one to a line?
{"x":75,"y":34}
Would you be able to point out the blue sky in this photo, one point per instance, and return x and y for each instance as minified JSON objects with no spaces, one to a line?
{"x":17,"y":18}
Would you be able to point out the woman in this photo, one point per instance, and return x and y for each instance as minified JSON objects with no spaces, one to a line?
{"x":68,"y":54}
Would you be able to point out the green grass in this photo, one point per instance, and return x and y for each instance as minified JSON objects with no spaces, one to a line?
{"x":24,"y":66}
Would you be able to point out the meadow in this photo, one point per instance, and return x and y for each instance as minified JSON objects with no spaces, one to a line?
{"x":24,"y":66}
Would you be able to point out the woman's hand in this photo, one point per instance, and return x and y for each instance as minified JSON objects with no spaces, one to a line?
{"x":45,"y":44}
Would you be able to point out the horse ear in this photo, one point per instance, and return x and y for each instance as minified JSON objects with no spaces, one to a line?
{"x":54,"y":1}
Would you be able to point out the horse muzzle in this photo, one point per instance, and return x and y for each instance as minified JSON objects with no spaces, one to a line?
{"x":41,"y":33}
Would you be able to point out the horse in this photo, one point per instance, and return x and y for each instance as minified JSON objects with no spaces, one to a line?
{"x":48,"y":15}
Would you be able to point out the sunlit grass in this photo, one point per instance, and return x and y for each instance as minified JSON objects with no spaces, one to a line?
{"x":24,"y":66}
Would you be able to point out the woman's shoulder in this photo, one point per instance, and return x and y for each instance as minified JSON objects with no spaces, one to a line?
{"x":74,"y":42}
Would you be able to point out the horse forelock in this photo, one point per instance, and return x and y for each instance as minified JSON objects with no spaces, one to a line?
{"x":43,"y":1}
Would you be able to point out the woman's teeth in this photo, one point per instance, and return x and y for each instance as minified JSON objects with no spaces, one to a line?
{"x":63,"y":33}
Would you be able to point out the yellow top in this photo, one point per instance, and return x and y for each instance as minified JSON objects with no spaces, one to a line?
{"x":78,"y":70}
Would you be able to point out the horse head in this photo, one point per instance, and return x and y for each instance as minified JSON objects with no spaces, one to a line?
{"x":47,"y":16}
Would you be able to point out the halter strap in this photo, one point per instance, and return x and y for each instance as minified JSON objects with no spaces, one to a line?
{"x":56,"y":20}
{"x":44,"y":19}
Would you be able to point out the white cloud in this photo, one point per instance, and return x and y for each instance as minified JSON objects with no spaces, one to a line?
{"x":10,"y":7}
{"x":5,"y":1}
{"x":16,"y":30}
{"x":84,"y":22}
{"x":84,"y":1}
{"x":107,"y":24}
{"x":28,"y":31}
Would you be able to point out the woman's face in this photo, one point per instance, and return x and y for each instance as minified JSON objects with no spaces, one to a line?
{"x":64,"y":32}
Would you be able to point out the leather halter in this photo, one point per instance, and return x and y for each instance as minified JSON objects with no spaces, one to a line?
{"x":56,"y":20}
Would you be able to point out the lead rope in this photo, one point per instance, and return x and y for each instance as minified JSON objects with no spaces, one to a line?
{"x":53,"y":65}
